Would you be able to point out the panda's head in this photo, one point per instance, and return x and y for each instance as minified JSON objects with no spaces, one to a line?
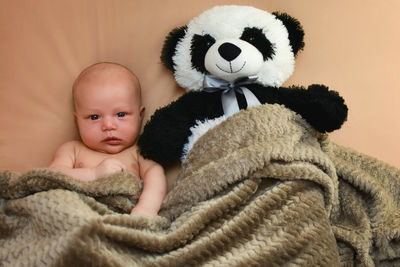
{"x":232,"y":42}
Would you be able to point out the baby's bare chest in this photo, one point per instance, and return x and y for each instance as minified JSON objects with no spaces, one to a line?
{"x":89,"y":159}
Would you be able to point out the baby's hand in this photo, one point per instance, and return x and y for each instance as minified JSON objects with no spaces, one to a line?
{"x":142,"y":211}
{"x":109,"y":166}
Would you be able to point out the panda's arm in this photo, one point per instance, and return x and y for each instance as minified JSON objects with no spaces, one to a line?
{"x":324,"y":109}
{"x":165,"y":134}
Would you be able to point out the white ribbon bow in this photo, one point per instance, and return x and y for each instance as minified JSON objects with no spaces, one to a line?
{"x":228,"y":97}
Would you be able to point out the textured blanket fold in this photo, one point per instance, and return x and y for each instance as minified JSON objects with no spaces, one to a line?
{"x":260,"y":189}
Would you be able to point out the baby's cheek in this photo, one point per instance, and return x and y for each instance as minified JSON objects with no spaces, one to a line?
{"x":131,"y":131}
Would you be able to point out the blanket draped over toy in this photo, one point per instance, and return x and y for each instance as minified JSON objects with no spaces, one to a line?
{"x":262,"y":188}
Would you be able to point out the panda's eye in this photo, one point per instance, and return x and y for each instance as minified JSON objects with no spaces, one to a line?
{"x":257,"y":38}
{"x":198,"y":49}
{"x":202,"y":41}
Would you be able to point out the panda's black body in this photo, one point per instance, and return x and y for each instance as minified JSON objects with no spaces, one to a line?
{"x":167,"y":132}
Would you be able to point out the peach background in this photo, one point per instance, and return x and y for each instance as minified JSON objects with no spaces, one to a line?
{"x":351,"y":46}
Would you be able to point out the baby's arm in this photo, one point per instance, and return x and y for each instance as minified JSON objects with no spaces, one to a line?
{"x":64,"y":161}
{"x":154,"y":188}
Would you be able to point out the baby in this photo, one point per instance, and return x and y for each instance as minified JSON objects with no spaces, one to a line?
{"x":109,"y":113}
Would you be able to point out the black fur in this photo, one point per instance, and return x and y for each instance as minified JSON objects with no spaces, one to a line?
{"x":168,"y":50}
{"x":257,"y":38}
{"x":168,"y":129}
{"x":198,"y":49}
{"x":295,"y":30}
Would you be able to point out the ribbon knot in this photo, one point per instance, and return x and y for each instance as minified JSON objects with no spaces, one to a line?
{"x":228,"y":97}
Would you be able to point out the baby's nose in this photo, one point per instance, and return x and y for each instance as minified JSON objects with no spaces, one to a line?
{"x":108,"y":124}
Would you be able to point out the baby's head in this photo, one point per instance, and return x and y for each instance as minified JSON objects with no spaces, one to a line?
{"x":108,"y":108}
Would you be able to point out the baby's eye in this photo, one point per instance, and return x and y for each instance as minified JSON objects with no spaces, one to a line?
{"x":94,"y":117}
{"x":121,"y":114}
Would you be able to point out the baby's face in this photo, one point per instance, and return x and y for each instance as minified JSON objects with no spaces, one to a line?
{"x":108,"y":112}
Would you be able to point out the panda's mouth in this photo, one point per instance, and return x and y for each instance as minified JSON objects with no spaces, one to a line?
{"x":231,"y":70}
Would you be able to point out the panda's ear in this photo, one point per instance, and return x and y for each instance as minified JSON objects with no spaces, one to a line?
{"x":295,"y":30}
{"x":168,"y":50}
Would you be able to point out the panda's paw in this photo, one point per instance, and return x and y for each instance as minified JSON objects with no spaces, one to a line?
{"x":328,"y":110}
{"x":149,"y":147}
{"x":160,"y":142}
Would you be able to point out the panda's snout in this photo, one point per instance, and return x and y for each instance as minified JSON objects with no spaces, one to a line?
{"x":229,"y":51}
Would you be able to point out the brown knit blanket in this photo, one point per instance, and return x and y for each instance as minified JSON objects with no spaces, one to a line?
{"x":262,"y":188}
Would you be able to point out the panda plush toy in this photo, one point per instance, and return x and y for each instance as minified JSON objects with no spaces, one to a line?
{"x":230,"y":58}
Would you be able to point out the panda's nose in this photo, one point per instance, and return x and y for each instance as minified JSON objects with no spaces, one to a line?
{"x":229,"y":51}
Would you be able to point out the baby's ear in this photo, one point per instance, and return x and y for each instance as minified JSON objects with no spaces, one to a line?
{"x":141,"y":111}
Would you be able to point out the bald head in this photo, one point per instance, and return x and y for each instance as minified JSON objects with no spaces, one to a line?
{"x":103,"y":73}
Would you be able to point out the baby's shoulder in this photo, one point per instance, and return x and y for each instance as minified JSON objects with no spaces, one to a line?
{"x":71,"y":146}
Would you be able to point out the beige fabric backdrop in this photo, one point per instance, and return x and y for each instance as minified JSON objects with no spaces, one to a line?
{"x":351,"y":46}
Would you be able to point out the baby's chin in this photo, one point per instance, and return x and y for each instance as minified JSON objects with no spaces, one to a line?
{"x":109,"y":149}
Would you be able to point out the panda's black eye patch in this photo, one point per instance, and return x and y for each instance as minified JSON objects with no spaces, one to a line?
{"x":257,"y":38}
{"x":198,"y":49}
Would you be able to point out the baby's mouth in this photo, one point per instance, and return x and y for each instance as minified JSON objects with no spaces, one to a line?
{"x":112,"y":140}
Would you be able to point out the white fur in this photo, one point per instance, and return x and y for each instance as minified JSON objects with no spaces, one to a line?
{"x":227,"y":23}
{"x":200,"y":128}
{"x":249,"y":61}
